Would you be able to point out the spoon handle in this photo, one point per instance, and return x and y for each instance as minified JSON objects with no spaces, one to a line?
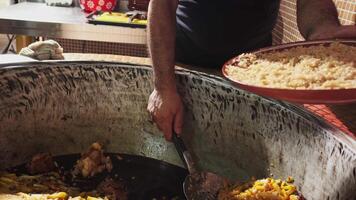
{"x":183,"y":153}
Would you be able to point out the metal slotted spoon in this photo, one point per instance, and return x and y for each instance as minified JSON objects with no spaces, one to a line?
{"x":197,"y":185}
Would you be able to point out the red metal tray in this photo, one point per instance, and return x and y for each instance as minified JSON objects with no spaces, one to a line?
{"x":325,"y":96}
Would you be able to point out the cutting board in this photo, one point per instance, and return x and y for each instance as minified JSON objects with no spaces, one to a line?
{"x":116,"y":18}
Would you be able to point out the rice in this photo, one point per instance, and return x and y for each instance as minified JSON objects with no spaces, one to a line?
{"x":314,"y":67}
{"x":263,"y":189}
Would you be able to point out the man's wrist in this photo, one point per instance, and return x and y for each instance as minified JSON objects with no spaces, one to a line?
{"x":164,"y":88}
{"x":165,"y":81}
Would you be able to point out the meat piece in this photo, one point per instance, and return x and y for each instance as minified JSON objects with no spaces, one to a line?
{"x":112,"y":189}
{"x":93,"y":162}
{"x":41,"y":163}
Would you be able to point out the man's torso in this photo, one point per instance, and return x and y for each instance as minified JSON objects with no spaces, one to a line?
{"x":223,"y":27}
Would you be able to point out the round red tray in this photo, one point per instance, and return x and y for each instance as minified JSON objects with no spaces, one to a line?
{"x":324,"y":96}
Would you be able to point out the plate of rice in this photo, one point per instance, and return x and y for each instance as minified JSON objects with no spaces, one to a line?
{"x":315,"y":72}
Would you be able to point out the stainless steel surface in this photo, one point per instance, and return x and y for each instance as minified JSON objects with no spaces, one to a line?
{"x":40,"y":12}
{"x":13,"y":58}
{"x":62,"y":107}
{"x":38,"y":19}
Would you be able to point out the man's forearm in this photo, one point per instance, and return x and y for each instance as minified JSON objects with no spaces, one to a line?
{"x":161,"y":41}
{"x":316,"y":16}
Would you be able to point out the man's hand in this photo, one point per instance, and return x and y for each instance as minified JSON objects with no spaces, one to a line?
{"x":166,"y":109}
{"x":164,"y":104}
{"x":318,"y":19}
{"x":340,"y":32}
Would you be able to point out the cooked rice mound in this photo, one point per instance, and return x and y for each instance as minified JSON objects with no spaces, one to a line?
{"x":263,"y":189}
{"x":314,"y":67}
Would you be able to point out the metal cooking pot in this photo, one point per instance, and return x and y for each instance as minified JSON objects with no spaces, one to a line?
{"x":64,"y":107}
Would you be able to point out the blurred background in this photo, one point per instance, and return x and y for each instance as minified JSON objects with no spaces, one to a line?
{"x":285,"y":30}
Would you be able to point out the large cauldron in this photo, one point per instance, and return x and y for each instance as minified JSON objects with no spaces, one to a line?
{"x":64,"y":107}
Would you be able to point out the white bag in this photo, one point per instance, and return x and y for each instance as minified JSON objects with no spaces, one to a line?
{"x":66,"y":3}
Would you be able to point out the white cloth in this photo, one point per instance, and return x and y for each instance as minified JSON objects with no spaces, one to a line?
{"x":43,"y":50}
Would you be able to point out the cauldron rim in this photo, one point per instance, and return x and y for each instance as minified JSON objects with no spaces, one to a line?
{"x":338,"y":134}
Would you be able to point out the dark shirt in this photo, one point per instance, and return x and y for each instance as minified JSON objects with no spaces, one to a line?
{"x":209,"y":32}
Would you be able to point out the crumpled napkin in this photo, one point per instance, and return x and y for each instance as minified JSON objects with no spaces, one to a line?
{"x":43,"y":50}
{"x":62,"y":3}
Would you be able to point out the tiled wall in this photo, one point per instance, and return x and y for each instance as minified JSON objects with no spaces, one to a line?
{"x":82,"y":46}
{"x":3,"y":38}
{"x":285,"y":31}
{"x":347,"y":11}
{"x":3,"y":41}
